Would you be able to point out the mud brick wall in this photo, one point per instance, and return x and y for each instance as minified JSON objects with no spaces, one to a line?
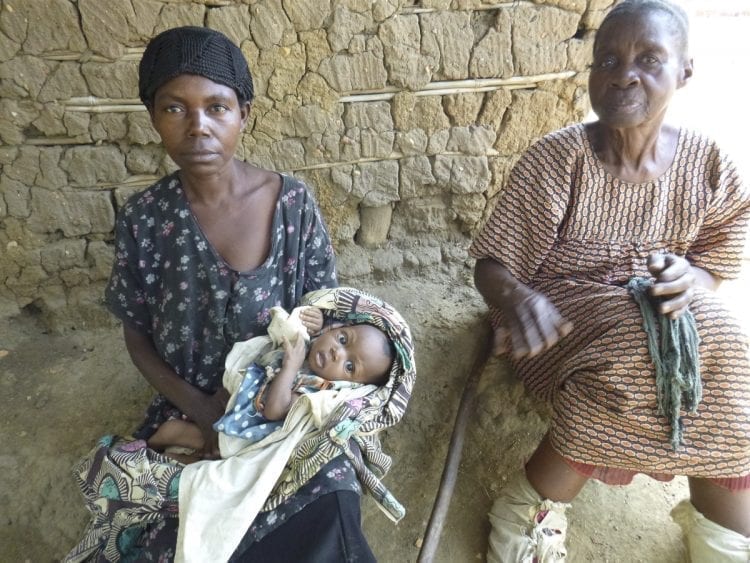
{"x":404,"y":117}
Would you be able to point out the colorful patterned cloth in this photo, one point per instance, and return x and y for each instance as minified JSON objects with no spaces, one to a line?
{"x":126,"y":486}
{"x":567,"y":228}
{"x":245,"y":419}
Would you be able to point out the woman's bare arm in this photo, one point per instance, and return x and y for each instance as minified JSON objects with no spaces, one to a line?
{"x":200,"y":407}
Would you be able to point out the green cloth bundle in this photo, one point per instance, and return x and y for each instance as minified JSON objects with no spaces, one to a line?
{"x":673,"y":345}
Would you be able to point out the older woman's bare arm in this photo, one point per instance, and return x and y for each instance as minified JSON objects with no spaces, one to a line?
{"x":532,"y":323}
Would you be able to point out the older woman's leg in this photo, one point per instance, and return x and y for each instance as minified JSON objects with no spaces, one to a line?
{"x":715,"y":522}
{"x":551,"y":476}
{"x":528,"y":521}
{"x":730,"y":509}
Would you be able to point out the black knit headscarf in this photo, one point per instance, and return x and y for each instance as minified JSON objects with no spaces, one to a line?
{"x":193,"y":50}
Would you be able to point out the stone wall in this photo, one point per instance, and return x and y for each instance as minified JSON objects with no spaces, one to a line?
{"x":403,"y":116}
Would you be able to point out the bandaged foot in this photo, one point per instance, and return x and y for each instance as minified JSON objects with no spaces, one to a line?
{"x":525,"y":527}
{"x":707,"y":541}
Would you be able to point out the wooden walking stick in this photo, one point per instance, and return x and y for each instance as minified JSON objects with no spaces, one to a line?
{"x":450,"y":470}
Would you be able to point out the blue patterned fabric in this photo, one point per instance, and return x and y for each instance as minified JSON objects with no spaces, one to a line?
{"x":245,"y":420}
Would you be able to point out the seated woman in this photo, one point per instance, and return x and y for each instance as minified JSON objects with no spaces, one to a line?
{"x":585,"y":210}
{"x":200,"y":258}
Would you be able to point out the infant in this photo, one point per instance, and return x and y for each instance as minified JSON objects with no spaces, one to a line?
{"x":338,"y":355}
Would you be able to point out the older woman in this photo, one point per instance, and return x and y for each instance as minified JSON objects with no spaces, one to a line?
{"x":585,"y":210}
{"x":201,"y":257}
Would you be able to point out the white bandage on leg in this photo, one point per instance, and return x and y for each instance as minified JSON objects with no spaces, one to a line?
{"x":525,"y":527}
{"x":707,"y":541}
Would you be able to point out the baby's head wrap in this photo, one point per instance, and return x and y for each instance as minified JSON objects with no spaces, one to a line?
{"x":353,"y":426}
{"x":193,"y":50}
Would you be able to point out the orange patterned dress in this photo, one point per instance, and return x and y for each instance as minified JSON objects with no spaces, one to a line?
{"x":566,"y":227}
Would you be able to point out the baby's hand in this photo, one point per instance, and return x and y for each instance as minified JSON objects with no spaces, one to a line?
{"x":312,"y":318}
{"x":294,"y":354}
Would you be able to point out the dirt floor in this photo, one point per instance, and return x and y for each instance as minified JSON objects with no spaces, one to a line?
{"x":60,"y":392}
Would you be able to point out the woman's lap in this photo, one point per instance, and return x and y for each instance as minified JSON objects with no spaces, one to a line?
{"x":142,"y":525}
{"x":602,"y":389}
{"x":327,"y":530}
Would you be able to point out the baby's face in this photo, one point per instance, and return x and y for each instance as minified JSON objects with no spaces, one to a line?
{"x":357,"y":353}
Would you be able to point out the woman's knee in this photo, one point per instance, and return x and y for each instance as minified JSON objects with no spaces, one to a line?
{"x":551,"y":476}
{"x":715,"y":523}
{"x":729,"y":509}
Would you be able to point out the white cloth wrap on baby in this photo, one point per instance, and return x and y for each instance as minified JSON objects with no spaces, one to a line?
{"x":218,"y":500}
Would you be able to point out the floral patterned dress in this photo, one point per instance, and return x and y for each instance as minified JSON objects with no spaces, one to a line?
{"x":169,"y":283}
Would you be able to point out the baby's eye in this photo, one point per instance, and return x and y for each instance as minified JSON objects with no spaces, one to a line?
{"x":342,"y":338}
{"x":218,"y":108}
{"x":173,"y":109}
{"x":349,"y":367}
{"x":649,"y":60}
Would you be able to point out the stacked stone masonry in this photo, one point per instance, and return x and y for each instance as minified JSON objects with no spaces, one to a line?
{"x":404,"y":117}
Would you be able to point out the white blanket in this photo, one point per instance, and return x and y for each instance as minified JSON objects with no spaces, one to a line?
{"x":218,"y":500}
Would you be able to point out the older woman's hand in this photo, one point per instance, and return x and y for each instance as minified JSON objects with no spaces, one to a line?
{"x":533,"y":324}
{"x":674,"y":283}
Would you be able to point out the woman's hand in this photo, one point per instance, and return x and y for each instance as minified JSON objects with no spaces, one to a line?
{"x":199,"y":407}
{"x":312,"y":319}
{"x":210,"y":409}
{"x":532,"y":323}
{"x":674,"y":283}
